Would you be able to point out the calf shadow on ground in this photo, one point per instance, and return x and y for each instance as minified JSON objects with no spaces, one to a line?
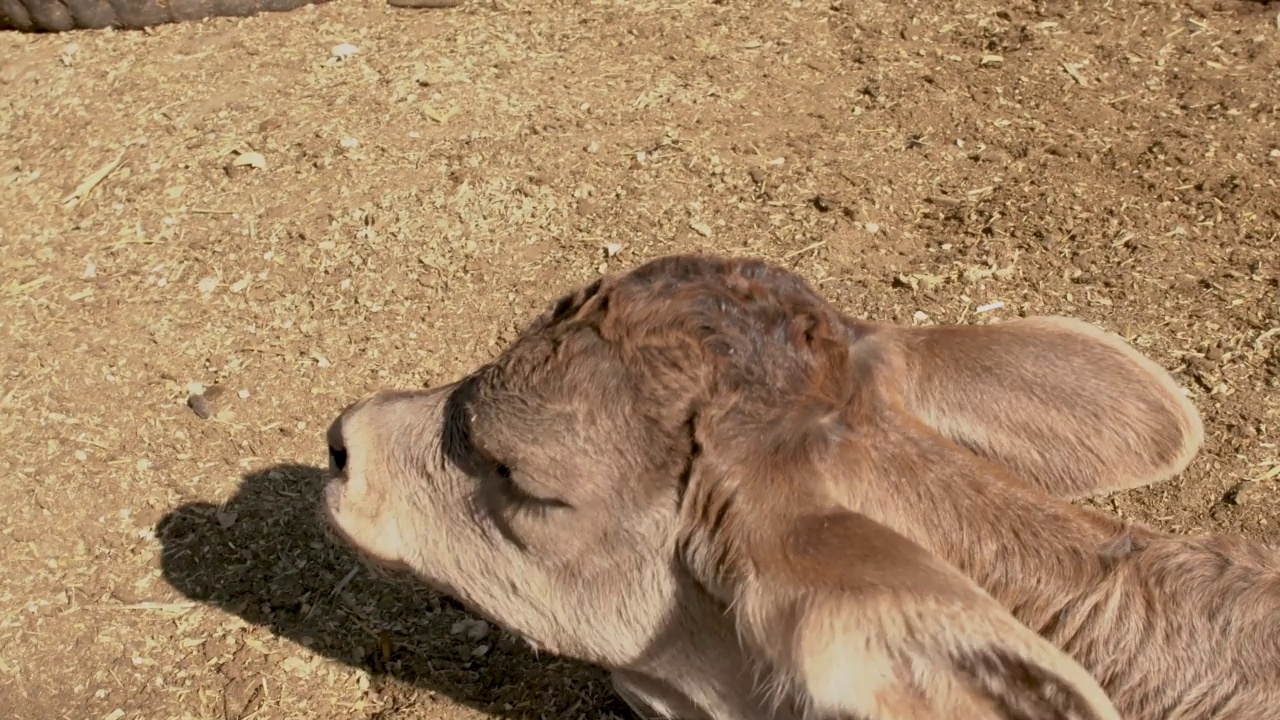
{"x":265,"y":558}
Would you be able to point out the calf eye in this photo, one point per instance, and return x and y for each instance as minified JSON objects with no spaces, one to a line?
{"x":520,"y":495}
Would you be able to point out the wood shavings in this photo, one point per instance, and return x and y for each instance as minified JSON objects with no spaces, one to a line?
{"x":1073,"y":69}
{"x":86,"y":187}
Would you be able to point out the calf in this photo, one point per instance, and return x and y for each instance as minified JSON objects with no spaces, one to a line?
{"x":747,"y":505}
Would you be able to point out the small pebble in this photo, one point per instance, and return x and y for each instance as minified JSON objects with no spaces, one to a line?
{"x":68,"y":55}
{"x":1243,"y":431}
{"x":344,"y":51}
{"x":478,"y":631}
{"x":1247,"y":492}
{"x":201,"y":406}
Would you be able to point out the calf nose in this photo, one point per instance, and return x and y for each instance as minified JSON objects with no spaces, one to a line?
{"x":338,"y":458}
{"x":337,"y":448}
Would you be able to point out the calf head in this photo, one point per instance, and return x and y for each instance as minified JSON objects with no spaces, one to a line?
{"x":644,"y":480}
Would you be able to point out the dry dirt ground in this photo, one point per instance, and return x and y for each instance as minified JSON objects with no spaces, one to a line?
{"x":228,"y":205}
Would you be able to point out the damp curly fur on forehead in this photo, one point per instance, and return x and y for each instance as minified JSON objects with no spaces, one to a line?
{"x":705,"y":293}
{"x":758,"y":325}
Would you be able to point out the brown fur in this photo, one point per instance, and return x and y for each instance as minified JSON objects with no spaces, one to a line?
{"x":703,"y":477}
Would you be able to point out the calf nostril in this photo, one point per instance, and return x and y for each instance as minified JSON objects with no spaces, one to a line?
{"x":338,"y":456}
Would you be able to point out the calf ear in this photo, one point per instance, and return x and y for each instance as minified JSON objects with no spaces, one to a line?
{"x":847,"y":618}
{"x":842,"y":615}
{"x":1066,"y":406}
